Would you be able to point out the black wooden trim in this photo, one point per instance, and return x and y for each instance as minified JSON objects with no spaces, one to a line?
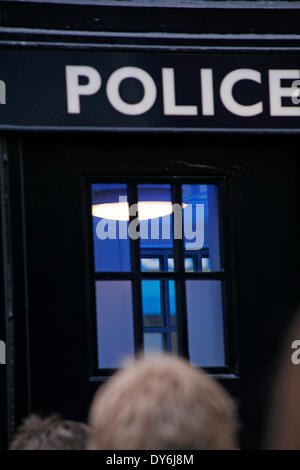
{"x":9,"y":383}
{"x":125,"y":47}
{"x":230,"y":314}
{"x":92,"y":339}
{"x":105,"y":276}
{"x":219,"y":373}
{"x":14,"y":38}
{"x":156,"y":130}
{"x":20,"y":310}
{"x":15,"y":302}
{"x":206,"y":178}
{"x":5,"y":298}
{"x":163,"y":16}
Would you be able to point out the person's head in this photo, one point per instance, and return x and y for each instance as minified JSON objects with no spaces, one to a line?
{"x":50,"y":433}
{"x":161,"y":403}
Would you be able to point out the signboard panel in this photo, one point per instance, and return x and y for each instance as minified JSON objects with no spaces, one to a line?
{"x":60,"y":89}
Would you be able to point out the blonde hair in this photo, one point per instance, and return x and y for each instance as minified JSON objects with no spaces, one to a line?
{"x":161,"y":403}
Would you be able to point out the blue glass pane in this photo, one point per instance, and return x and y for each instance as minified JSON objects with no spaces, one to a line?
{"x":153,"y":343}
{"x":155,"y":215}
{"x":172,"y":297}
{"x":205,"y":323}
{"x":110,"y":227}
{"x":151,"y":297}
{"x":114,"y":323}
{"x":151,"y":303}
{"x":201,"y":222}
{"x":172,"y":300}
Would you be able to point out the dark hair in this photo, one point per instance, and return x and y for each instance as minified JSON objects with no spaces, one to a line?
{"x":51,"y":433}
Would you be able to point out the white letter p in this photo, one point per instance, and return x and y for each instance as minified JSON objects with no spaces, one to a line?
{"x":75,"y":90}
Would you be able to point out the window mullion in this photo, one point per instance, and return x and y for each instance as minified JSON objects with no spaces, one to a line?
{"x":180,"y":283}
{"x":136,"y":283}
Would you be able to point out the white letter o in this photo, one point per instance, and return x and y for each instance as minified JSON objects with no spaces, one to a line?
{"x":113,"y":87}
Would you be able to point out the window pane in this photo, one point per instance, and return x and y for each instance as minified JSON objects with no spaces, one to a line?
{"x":150,"y":264}
{"x":205,"y":264}
{"x":205,"y":323}
{"x":110,"y":227}
{"x":174,"y":342}
{"x":188,"y":264}
{"x":156,"y":220}
{"x":114,"y":322}
{"x":153,"y":343}
{"x":201,"y":222}
{"x":170,"y":264}
{"x":151,"y":303}
{"x":172,"y":302}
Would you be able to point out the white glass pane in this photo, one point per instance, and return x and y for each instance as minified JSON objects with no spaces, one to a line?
{"x":150,"y":264}
{"x":205,"y":323}
{"x":153,"y":343}
{"x":114,"y":323}
{"x":170,"y":264}
{"x":189,"y":265}
{"x":174,"y":342}
{"x":205,"y":265}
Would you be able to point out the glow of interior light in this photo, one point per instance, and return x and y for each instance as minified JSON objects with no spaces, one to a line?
{"x":120,"y":210}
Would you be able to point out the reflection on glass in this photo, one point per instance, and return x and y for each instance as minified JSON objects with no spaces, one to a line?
{"x":114,"y":322}
{"x":151,"y":303}
{"x":201,"y":221}
{"x":111,"y":241}
{"x":205,"y":323}
{"x":150,"y":264}
{"x":170,"y":264}
{"x":156,"y":233}
{"x":153,"y":343}
{"x":188,"y":264}
{"x":205,"y":265}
